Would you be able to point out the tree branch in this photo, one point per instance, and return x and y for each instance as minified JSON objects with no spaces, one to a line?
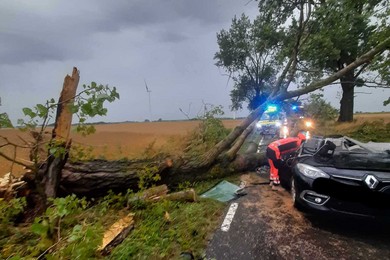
{"x":365,"y":58}
{"x":11,"y":143}
{"x":361,"y":70}
{"x":14,"y":160}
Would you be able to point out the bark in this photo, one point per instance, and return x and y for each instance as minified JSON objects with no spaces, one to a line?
{"x":52,"y":177}
{"x":95,"y":178}
{"x":347,"y":100}
{"x":98,"y":183}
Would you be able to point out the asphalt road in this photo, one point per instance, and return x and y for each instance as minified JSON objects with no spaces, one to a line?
{"x":267,"y":226}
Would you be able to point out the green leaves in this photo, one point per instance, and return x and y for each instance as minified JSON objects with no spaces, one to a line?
{"x":28,"y":112}
{"x":42,"y":110}
{"x":40,"y":227}
{"x":76,"y":234}
{"x":39,"y":114}
{"x":5,"y":122}
{"x":386,"y":102}
{"x":90,"y":103}
{"x":87,"y":104}
{"x":148,"y":177}
{"x":10,"y":209}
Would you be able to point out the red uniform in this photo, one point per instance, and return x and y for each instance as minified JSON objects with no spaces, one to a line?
{"x":277,"y":149}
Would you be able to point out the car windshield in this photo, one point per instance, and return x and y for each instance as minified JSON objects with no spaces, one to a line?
{"x":267,"y":116}
{"x":264,"y":117}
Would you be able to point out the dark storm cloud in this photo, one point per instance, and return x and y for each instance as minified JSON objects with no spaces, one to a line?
{"x":15,"y":49}
{"x":65,"y":32}
{"x":152,"y":12}
{"x":172,"y":37}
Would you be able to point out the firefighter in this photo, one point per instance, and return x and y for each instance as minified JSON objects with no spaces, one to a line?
{"x":279,"y":150}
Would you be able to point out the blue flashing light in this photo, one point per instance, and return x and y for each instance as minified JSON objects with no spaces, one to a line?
{"x":272,"y":108}
{"x":294,"y":107}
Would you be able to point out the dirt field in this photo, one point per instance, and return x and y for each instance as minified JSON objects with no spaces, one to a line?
{"x":361,"y":118}
{"x":112,"y":141}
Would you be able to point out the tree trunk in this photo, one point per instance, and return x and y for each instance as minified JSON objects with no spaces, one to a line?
{"x":96,"y":178}
{"x":347,"y":100}
{"x":231,"y":154}
{"x":211,"y":156}
{"x":60,"y":136}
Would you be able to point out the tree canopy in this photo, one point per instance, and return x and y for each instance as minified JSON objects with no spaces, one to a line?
{"x":311,"y":40}
{"x":246,"y":53}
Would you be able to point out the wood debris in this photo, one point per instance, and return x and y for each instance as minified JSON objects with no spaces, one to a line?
{"x":116,"y":233}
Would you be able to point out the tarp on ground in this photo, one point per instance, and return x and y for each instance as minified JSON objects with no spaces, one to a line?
{"x":223,"y":191}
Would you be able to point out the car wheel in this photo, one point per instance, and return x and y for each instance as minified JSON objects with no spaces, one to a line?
{"x":294,"y":194}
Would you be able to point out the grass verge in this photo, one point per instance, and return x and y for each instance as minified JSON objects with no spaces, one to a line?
{"x":73,"y":228}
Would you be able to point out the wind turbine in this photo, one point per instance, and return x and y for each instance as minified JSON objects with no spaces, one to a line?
{"x":150,"y":105}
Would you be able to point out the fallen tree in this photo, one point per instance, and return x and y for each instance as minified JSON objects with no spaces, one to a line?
{"x":96,"y":177}
{"x":223,"y":155}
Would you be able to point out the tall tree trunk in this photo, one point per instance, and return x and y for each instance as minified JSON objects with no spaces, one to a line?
{"x":347,"y":100}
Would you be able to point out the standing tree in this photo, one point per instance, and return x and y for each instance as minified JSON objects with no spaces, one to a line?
{"x":341,"y":31}
{"x":246,"y":52}
{"x":317,"y":108}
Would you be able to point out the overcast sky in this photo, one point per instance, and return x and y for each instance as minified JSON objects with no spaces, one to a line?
{"x":168,"y":43}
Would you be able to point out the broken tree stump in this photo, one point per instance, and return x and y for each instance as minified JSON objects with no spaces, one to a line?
{"x":60,"y":136}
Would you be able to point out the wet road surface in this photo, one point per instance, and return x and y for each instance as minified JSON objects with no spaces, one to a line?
{"x":267,"y":226}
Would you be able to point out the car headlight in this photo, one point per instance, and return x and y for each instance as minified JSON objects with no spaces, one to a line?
{"x":311,"y":172}
{"x":258,"y":124}
{"x":278,"y":124}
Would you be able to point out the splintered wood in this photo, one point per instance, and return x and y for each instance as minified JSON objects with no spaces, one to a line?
{"x":116,"y":233}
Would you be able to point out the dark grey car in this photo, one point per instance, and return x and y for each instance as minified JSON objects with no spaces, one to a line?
{"x":340,"y":175}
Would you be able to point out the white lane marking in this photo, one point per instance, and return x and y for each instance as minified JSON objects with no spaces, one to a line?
{"x":229,"y":217}
{"x":260,"y":144}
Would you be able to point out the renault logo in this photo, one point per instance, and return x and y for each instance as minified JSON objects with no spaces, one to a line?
{"x":371,"y":181}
